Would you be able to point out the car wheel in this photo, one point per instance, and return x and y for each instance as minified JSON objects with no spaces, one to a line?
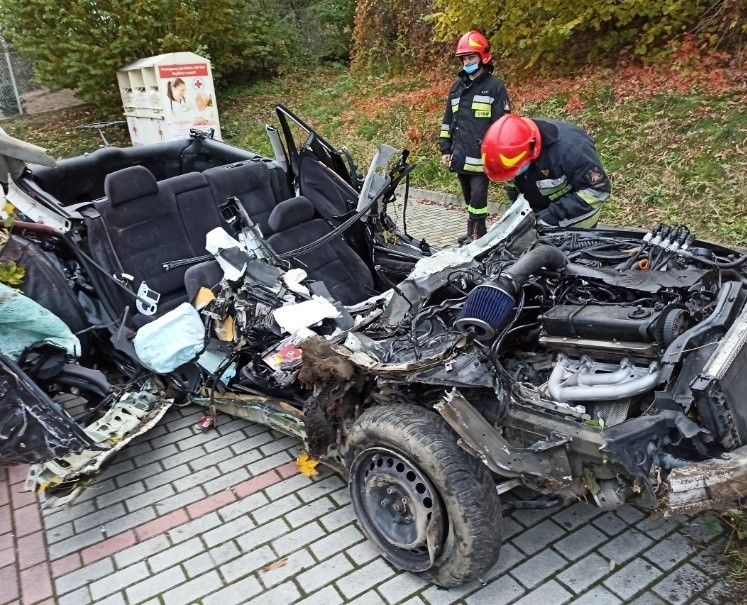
{"x":429,"y":507}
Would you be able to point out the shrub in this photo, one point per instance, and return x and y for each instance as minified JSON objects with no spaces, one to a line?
{"x":392,"y":34}
{"x":81,"y":43}
{"x":571,"y":31}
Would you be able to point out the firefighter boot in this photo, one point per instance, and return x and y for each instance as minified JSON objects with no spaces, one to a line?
{"x":467,"y":237}
{"x":477,"y":228}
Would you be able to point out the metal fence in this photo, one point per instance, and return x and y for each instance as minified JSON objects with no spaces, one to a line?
{"x":16,"y":81}
{"x":20,"y":92}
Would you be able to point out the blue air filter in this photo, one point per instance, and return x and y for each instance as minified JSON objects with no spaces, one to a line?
{"x":486,"y":310}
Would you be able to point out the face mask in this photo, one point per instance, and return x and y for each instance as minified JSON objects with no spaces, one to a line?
{"x":470,"y":69}
{"x":523,"y":169}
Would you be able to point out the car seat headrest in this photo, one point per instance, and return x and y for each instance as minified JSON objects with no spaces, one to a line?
{"x":290,"y":213}
{"x":129,"y":184}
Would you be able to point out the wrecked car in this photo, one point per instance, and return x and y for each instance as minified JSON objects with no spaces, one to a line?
{"x":582,"y":364}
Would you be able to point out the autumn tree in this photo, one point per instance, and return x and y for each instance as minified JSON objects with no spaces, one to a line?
{"x":325,"y":26}
{"x":390,"y":35}
{"x":81,"y":43}
{"x":573,"y":31}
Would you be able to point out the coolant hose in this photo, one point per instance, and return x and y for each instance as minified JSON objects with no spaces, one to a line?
{"x":544,"y":255}
{"x":738,"y":262}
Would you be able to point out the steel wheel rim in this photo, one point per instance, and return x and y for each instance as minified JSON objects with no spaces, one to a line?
{"x":398,"y":508}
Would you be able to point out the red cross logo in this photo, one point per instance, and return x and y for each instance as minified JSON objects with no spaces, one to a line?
{"x":198,"y":83}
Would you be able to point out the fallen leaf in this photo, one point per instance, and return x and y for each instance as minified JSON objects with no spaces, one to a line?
{"x":307,"y":465}
{"x":275,"y":564}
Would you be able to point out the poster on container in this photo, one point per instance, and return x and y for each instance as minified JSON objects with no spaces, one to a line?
{"x":136,"y":132}
{"x":144,"y":131}
{"x":188,"y":99}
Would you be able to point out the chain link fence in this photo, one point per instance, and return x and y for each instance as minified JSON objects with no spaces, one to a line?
{"x":16,"y":79}
{"x":20,"y":93}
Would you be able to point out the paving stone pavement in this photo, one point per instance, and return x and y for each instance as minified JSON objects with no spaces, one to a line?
{"x":224,"y":517}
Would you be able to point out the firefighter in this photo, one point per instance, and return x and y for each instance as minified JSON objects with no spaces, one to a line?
{"x":553,"y":164}
{"x":476,"y":100}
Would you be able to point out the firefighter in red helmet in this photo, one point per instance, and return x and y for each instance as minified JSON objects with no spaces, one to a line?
{"x":476,"y":100}
{"x":553,"y":164}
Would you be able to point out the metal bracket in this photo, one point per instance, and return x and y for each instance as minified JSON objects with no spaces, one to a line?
{"x":147,"y":300}
{"x":549,"y":463}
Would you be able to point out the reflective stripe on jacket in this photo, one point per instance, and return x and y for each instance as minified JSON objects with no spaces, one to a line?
{"x":566,"y":185}
{"x":471,"y":107}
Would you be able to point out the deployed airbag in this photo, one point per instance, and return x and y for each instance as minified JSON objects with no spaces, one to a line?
{"x":175,"y":338}
{"x":24,"y":322}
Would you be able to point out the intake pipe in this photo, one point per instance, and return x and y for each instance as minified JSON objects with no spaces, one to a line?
{"x":490,"y":305}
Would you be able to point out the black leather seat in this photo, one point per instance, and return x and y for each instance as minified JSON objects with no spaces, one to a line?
{"x":139,"y":229}
{"x":346,"y":276}
{"x":258,"y":187}
{"x":196,"y":206}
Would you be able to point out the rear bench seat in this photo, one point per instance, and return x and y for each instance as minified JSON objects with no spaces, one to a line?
{"x":196,"y":208}
{"x":258,"y":188}
{"x":143,"y":223}
{"x":137,"y":229}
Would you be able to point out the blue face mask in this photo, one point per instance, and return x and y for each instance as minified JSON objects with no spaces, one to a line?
{"x":523,"y":169}
{"x":470,"y":69}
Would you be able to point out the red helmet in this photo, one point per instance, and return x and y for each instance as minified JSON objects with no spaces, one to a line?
{"x":509,"y":144}
{"x":474,"y":43}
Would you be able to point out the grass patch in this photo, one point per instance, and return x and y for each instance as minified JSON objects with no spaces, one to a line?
{"x":676,"y":157}
{"x":734,"y":522}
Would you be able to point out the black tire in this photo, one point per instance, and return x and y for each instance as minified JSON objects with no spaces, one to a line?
{"x":405,"y":454}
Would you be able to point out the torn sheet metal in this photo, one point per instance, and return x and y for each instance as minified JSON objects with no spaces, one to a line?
{"x":33,"y":428}
{"x":130,"y":417}
{"x":39,"y":210}
{"x":15,"y":153}
{"x":548,"y":463}
{"x":275,"y":413}
{"x":431,"y":272}
{"x":506,"y":227}
{"x":639,"y":444}
{"x":356,"y":348}
{"x":376,"y":179}
{"x":464,"y":371}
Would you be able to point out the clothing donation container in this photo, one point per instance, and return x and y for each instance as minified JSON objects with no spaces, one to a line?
{"x":166,"y":96}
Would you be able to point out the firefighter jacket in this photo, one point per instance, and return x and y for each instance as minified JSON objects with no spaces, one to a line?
{"x":471,"y":107}
{"x":566,"y":185}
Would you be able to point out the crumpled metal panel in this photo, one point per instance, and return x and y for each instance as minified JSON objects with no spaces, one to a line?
{"x":708,"y":485}
{"x":33,"y":428}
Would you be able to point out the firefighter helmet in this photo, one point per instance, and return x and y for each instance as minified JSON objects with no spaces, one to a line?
{"x":509,"y":144}
{"x":474,"y":43}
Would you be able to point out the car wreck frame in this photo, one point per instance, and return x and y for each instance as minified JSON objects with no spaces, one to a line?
{"x":593,"y":364}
